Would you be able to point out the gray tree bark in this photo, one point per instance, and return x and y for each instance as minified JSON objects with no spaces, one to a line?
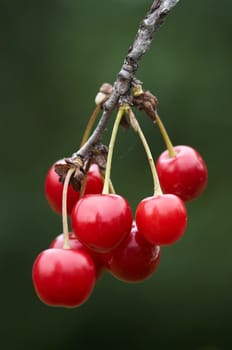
{"x":148,"y":27}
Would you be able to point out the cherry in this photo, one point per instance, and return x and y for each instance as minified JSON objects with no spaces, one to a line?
{"x":75,"y":244}
{"x":161,"y":219}
{"x":134,"y":260}
{"x":54,"y":188}
{"x":184,"y":174}
{"x":63,"y":277}
{"x":101,"y":221}
{"x":58,"y":242}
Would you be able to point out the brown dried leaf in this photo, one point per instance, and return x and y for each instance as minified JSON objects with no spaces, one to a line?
{"x":147,"y":102}
{"x":124,"y":123}
{"x":99,"y":155}
{"x":77,"y":178}
{"x":62,"y":168}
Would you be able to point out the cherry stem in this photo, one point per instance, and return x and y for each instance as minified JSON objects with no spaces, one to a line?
{"x":165,"y":136}
{"x":64,"y":208}
{"x":135,"y":125}
{"x":90,"y":124}
{"x":111,"y":187}
{"x":107,"y":181}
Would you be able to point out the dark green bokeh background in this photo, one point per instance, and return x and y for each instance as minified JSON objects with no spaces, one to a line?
{"x":53,"y":57}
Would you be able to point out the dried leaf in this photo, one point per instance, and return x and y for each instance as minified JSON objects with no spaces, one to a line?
{"x":62,"y":168}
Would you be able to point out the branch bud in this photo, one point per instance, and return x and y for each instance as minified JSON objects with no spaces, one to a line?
{"x":103,"y":94}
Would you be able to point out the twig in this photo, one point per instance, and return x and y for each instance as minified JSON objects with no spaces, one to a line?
{"x":148,"y":27}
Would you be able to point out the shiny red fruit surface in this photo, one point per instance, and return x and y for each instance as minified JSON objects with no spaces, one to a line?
{"x":161,"y":219}
{"x":184,"y":175}
{"x":54,"y":188}
{"x":63,"y":277}
{"x":75,"y":244}
{"x":101,"y":221}
{"x":134,"y":260}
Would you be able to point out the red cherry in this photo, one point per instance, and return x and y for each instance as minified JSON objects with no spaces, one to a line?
{"x":134,"y":260}
{"x":161,"y":219}
{"x":184,"y":175}
{"x":75,"y":244}
{"x":101,"y":221}
{"x":58,"y":242}
{"x":63,"y":277}
{"x":94,"y":182}
{"x":54,"y":188}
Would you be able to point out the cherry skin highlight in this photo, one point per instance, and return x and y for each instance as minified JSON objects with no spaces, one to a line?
{"x":161,"y":219}
{"x":101,"y":221}
{"x":134,"y":260}
{"x":63,"y":277}
{"x":184,"y":175}
{"x":75,"y":244}
{"x":54,"y":188}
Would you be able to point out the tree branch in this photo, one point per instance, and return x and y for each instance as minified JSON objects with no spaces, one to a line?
{"x":148,"y":27}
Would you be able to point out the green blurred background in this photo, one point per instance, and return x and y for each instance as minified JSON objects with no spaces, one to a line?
{"x":54,"y":55}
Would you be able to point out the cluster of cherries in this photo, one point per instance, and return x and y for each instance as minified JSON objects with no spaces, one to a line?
{"x":106,"y":237}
